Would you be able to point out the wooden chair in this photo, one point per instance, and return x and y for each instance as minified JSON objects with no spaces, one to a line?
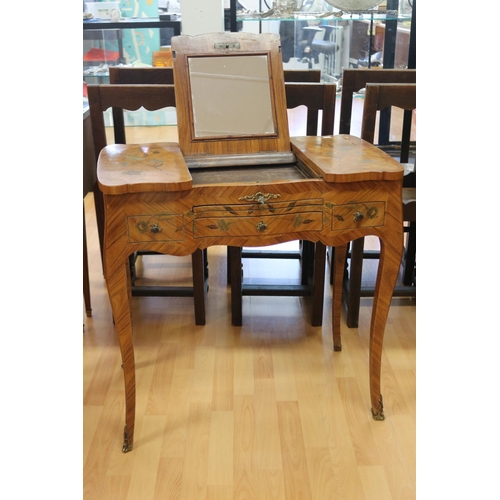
{"x":379,"y":97}
{"x":353,"y":80}
{"x":89,"y":184}
{"x":135,"y":76}
{"x":316,"y":97}
{"x":151,"y":97}
{"x":140,"y":76}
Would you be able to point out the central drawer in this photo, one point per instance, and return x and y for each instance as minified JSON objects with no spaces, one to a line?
{"x":260,"y":224}
{"x":268,"y":214}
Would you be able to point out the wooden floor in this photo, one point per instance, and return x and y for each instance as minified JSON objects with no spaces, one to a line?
{"x":262,"y":411}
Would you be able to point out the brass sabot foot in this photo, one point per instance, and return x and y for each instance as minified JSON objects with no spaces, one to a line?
{"x":127,"y":443}
{"x":379,"y":413}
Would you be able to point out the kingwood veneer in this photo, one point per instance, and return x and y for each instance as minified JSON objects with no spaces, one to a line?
{"x":162,"y":208}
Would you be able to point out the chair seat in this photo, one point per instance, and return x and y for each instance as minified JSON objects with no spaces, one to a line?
{"x":325,"y":47}
{"x":409,"y":168}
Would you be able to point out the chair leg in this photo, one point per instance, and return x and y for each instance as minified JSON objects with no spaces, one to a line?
{"x":331,"y":252}
{"x":86,"y":281}
{"x":99,"y":213}
{"x":205,"y":268}
{"x":318,"y":285}
{"x":314,"y":261}
{"x":307,"y":249}
{"x":234,"y":258}
{"x":338,"y":268}
{"x":354,"y":283}
{"x":228,"y":266}
{"x":199,"y":288}
{"x":409,"y":262}
{"x":132,"y":260}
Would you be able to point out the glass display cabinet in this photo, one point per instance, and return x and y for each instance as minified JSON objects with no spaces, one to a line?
{"x":130,"y":42}
{"x":320,"y":37}
{"x":127,"y":41}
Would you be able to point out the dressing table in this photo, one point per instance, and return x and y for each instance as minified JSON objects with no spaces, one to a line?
{"x":236,"y":178}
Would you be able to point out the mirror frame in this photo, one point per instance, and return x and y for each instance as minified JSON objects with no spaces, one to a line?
{"x":229,"y":44}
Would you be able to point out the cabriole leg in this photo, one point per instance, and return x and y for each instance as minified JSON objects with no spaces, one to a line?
{"x":118,"y":291}
{"x":390,"y":258}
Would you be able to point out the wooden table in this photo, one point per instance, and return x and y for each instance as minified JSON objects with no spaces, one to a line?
{"x":343,"y":188}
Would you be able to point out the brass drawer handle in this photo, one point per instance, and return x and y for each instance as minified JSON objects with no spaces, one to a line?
{"x":358,"y":216}
{"x":261,"y":227}
{"x":155,"y":228}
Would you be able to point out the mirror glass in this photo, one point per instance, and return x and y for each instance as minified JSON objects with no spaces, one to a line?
{"x":231,"y":96}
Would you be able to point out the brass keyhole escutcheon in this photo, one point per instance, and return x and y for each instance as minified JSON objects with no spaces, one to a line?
{"x":358,"y":216}
{"x":155,"y":228}
{"x":261,"y":227}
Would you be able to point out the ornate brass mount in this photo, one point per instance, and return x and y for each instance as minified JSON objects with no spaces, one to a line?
{"x":260,"y":197}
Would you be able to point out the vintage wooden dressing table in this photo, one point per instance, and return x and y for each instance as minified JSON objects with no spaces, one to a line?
{"x":236,"y":178}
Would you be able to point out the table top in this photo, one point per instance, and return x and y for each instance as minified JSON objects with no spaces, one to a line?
{"x":155,"y":167}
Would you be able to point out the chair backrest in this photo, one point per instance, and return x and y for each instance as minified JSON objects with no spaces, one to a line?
{"x":158,"y":76}
{"x":135,"y":76}
{"x":353,"y":80}
{"x":315,"y":97}
{"x":164,"y":75}
{"x":302,"y":75}
{"x":132,"y":75}
{"x":380,"y":96}
{"x":129,"y":97}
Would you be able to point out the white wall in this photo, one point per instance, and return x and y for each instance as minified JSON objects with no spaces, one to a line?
{"x":202,"y":16}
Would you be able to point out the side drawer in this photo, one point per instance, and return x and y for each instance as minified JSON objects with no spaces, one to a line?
{"x":264,"y":224}
{"x":158,"y":227}
{"x":354,"y":215}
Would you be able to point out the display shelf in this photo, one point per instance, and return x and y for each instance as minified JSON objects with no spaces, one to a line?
{"x":332,"y":41}
{"x":382,"y":37}
{"x":364,"y":15}
{"x":132,"y":23}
